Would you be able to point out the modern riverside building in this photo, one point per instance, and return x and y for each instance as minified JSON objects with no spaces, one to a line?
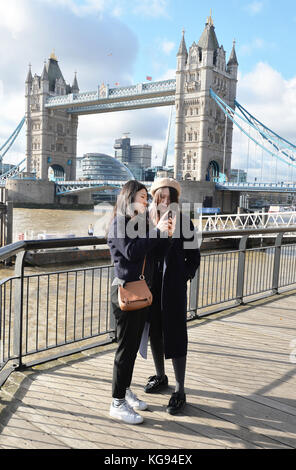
{"x":99,"y":166}
{"x":137,"y":157}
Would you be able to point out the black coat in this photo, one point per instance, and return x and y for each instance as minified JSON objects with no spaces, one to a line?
{"x":128,"y":253}
{"x":179,"y":266}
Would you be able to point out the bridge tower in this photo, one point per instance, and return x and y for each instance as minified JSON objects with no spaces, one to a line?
{"x":51,"y":134}
{"x":200,"y":152}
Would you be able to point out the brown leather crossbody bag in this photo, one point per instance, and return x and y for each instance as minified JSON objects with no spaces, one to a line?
{"x":135,"y":295}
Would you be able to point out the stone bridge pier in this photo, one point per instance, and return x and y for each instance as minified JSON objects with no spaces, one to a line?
{"x":206,"y":194}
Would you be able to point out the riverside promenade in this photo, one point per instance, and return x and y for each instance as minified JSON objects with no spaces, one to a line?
{"x":240,"y":382}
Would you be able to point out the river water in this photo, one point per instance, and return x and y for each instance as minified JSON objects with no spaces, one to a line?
{"x":35,"y":223}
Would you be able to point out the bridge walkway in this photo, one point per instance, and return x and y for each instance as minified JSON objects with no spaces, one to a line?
{"x":240,"y":385}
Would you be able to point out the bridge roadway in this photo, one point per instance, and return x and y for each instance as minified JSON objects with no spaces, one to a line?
{"x":63,"y":187}
{"x":240,"y":390}
{"x":105,"y":99}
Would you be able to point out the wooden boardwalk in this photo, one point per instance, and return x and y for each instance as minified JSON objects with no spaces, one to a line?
{"x":240,"y":383}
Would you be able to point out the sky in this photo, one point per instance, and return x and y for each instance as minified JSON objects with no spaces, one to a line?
{"x":123,"y":41}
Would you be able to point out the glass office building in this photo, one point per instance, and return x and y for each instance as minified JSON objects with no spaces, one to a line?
{"x":99,"y":166}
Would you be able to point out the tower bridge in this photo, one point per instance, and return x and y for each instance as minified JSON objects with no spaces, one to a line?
{"x":53,"y":107}
{"x":204,"y":96}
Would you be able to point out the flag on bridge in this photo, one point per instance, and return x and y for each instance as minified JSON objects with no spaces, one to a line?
{"x":148,"y":78}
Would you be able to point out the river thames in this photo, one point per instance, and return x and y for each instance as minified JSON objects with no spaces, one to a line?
{"x":34,"y":223}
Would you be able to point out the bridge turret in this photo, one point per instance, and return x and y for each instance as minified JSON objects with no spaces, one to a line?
{"x":75,"y":87}
{"x":182,"y":54}
{"x":232,"y":64}
{"x":29,"y":80}
{"x":44,"y":81}
{"x":232,"y":69}
{"x":51,"y":137}
{"x":182,"y":57}
{"x":200,"y":153}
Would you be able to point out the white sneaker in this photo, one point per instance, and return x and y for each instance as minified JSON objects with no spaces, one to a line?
{"x":125,"y":413}
{"x":134,"y":401}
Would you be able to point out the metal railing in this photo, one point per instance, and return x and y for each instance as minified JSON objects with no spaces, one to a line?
{"x":256,"y":220}
{"x":49,"y":315}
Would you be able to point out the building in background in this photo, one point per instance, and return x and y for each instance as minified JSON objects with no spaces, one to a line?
{"x":136,"y":157}
{"x":51,"y":135}
{"x":79,"y":172}
{"x":200,"y":153}
{"x":158,"y":172}
{"x":238,"y":176}
{"x":99,"y":166}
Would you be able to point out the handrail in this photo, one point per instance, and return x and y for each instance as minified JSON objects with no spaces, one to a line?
{"x":29,"y":309}
{"x":28,"y":245}
{"x":241,"y":233}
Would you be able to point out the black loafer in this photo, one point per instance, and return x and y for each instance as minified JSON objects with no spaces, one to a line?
{"x":177,"y":403}
{"x":156,"y":384}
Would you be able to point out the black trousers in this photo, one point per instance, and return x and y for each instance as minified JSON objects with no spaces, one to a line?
{"x":129,"y":329}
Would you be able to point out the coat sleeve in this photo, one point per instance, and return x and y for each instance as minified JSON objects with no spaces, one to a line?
{"x":192,"y":254}
{"x":133,"y":249}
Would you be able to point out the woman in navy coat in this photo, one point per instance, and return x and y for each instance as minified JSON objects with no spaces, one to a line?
{"x":130,"y":240}
{"x":175,"y":264}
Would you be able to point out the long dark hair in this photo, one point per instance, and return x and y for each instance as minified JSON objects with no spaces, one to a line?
{"x":174,"y":200}
{"x":126,"y":197}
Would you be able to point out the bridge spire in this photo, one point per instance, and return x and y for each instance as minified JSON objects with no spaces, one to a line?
{"x":182,"y":48}
{"x":232,"y":57}
{"x":75,"y":87}
{"x":29,"y":76}
{"x":210,"y":21}
{"x":208,"y":39}
{"x":53,"y":56}
{"x":44,"y":75}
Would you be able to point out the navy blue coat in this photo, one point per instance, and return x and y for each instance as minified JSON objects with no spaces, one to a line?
{"x":128,"y":253}
{"x":180,"y":265}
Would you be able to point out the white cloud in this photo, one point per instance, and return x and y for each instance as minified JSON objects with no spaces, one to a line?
{"x":255,"y":44}
{"x":167,"y":46}
{"x":254,"y":7}
{"x":99,"y":46}
{"x":13,"y":17}
{"x":151,"y":8}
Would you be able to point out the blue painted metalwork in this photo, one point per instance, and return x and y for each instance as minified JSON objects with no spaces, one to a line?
{"x":161,"y":93}
{"x":11,"y":139}
{"x":13,"y":172}
{"x":231,"y":114}
{"x":272,"y":135}
{"x":271,"y":187}
{"x":66,"y":187}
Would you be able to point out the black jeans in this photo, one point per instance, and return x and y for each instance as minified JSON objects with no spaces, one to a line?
{"x":129,"y":329}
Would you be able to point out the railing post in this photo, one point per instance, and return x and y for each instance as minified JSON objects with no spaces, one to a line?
{"x":112,"y":320}
{"x":241,"y":269}
{"x":194,"y":293}
{"x":276,"y":264}
{"x":18,"y":307}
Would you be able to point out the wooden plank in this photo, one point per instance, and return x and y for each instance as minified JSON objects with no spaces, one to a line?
{"x":240,"y":387}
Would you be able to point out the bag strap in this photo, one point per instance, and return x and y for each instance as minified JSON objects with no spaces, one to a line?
{"x":143,"y":269}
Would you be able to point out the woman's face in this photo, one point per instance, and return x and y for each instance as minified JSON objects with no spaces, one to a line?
{"x":164,"y":199}
{"x":141,"y":201}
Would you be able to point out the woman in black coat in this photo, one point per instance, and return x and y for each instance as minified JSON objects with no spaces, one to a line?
{"x":130,"y":241}
{"x":175,"y":264}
